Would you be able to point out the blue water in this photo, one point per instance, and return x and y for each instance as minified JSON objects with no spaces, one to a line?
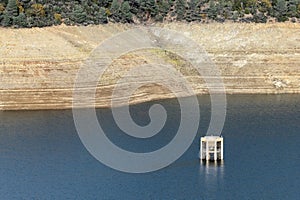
{"x":42,"y":157}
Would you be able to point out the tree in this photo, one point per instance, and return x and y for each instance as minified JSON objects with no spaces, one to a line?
{"x":20,"y":20}
{"x":12,"y":8}
{"x":281,"y":10}
{"x":6,"y":21}
{"x":135,"y":6}
{"x":193,"y":11}
{"x":149,"y":8}
{"x":115,"y":10}
{"x":103,"y":3}
{"x":48,"y":12}
{"x":79,"y":15}
{"x":212,"y":10}
{"x":237,"y":5}
{"x":163,"y":9}
{"x":180,"y":9}
{"x":102,"y":16}
{"x":10,"y":12}
{"x":125,"y":11}
{"x":292,"y":8}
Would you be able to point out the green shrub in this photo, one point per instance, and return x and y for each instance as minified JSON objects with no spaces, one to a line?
{"x":247,"y":11}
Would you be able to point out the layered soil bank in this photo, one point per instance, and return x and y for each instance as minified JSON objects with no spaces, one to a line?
{"x":38,"y":66}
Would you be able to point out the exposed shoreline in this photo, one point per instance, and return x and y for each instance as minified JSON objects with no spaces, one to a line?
{"x":39,"y":65}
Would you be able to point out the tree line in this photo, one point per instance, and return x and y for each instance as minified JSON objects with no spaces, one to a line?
{"x":40,"y":13}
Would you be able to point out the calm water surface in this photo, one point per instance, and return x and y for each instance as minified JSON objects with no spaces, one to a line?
{"x":41,"y":155}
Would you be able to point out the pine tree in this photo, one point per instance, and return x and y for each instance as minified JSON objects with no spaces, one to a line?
{"x":180,"y":9}
{"x":212,"y":11}
{"x":102,"y":16}
{"x":6,"y":21}
{"x":20,"y":21}
{"x":135,"y":6}
{"x":115,"y":10}
{"x":281,"y":10}
{"x":10,"y":12}
{"x":79,"y":15}
{"x":163,"y":9}
{"x":193,"y":11}
{"x":149,"y":7}
{"x":49,"y":12}
{"x":292,"y":8}
{"x":104,"y":3}
{"x":125,"y":10}
{"x":12,"y":8}
{"x":220,"y":7}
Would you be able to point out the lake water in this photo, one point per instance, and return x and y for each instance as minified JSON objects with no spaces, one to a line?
{"x":42,"y":157}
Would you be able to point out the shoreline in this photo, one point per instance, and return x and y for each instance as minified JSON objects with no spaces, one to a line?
{"x":39,"y":65}
{"x":142,"y":102}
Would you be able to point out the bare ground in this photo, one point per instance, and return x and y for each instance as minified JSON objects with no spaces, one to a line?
{"x":38,"y":66}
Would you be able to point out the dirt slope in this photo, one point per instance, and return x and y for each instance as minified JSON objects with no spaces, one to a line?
{"x":38,"y":66}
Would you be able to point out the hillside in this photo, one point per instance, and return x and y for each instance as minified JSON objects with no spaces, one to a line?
{"x":38,"y":66}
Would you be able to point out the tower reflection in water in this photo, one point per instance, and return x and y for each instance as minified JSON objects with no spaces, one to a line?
{"x":213,"y":175}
